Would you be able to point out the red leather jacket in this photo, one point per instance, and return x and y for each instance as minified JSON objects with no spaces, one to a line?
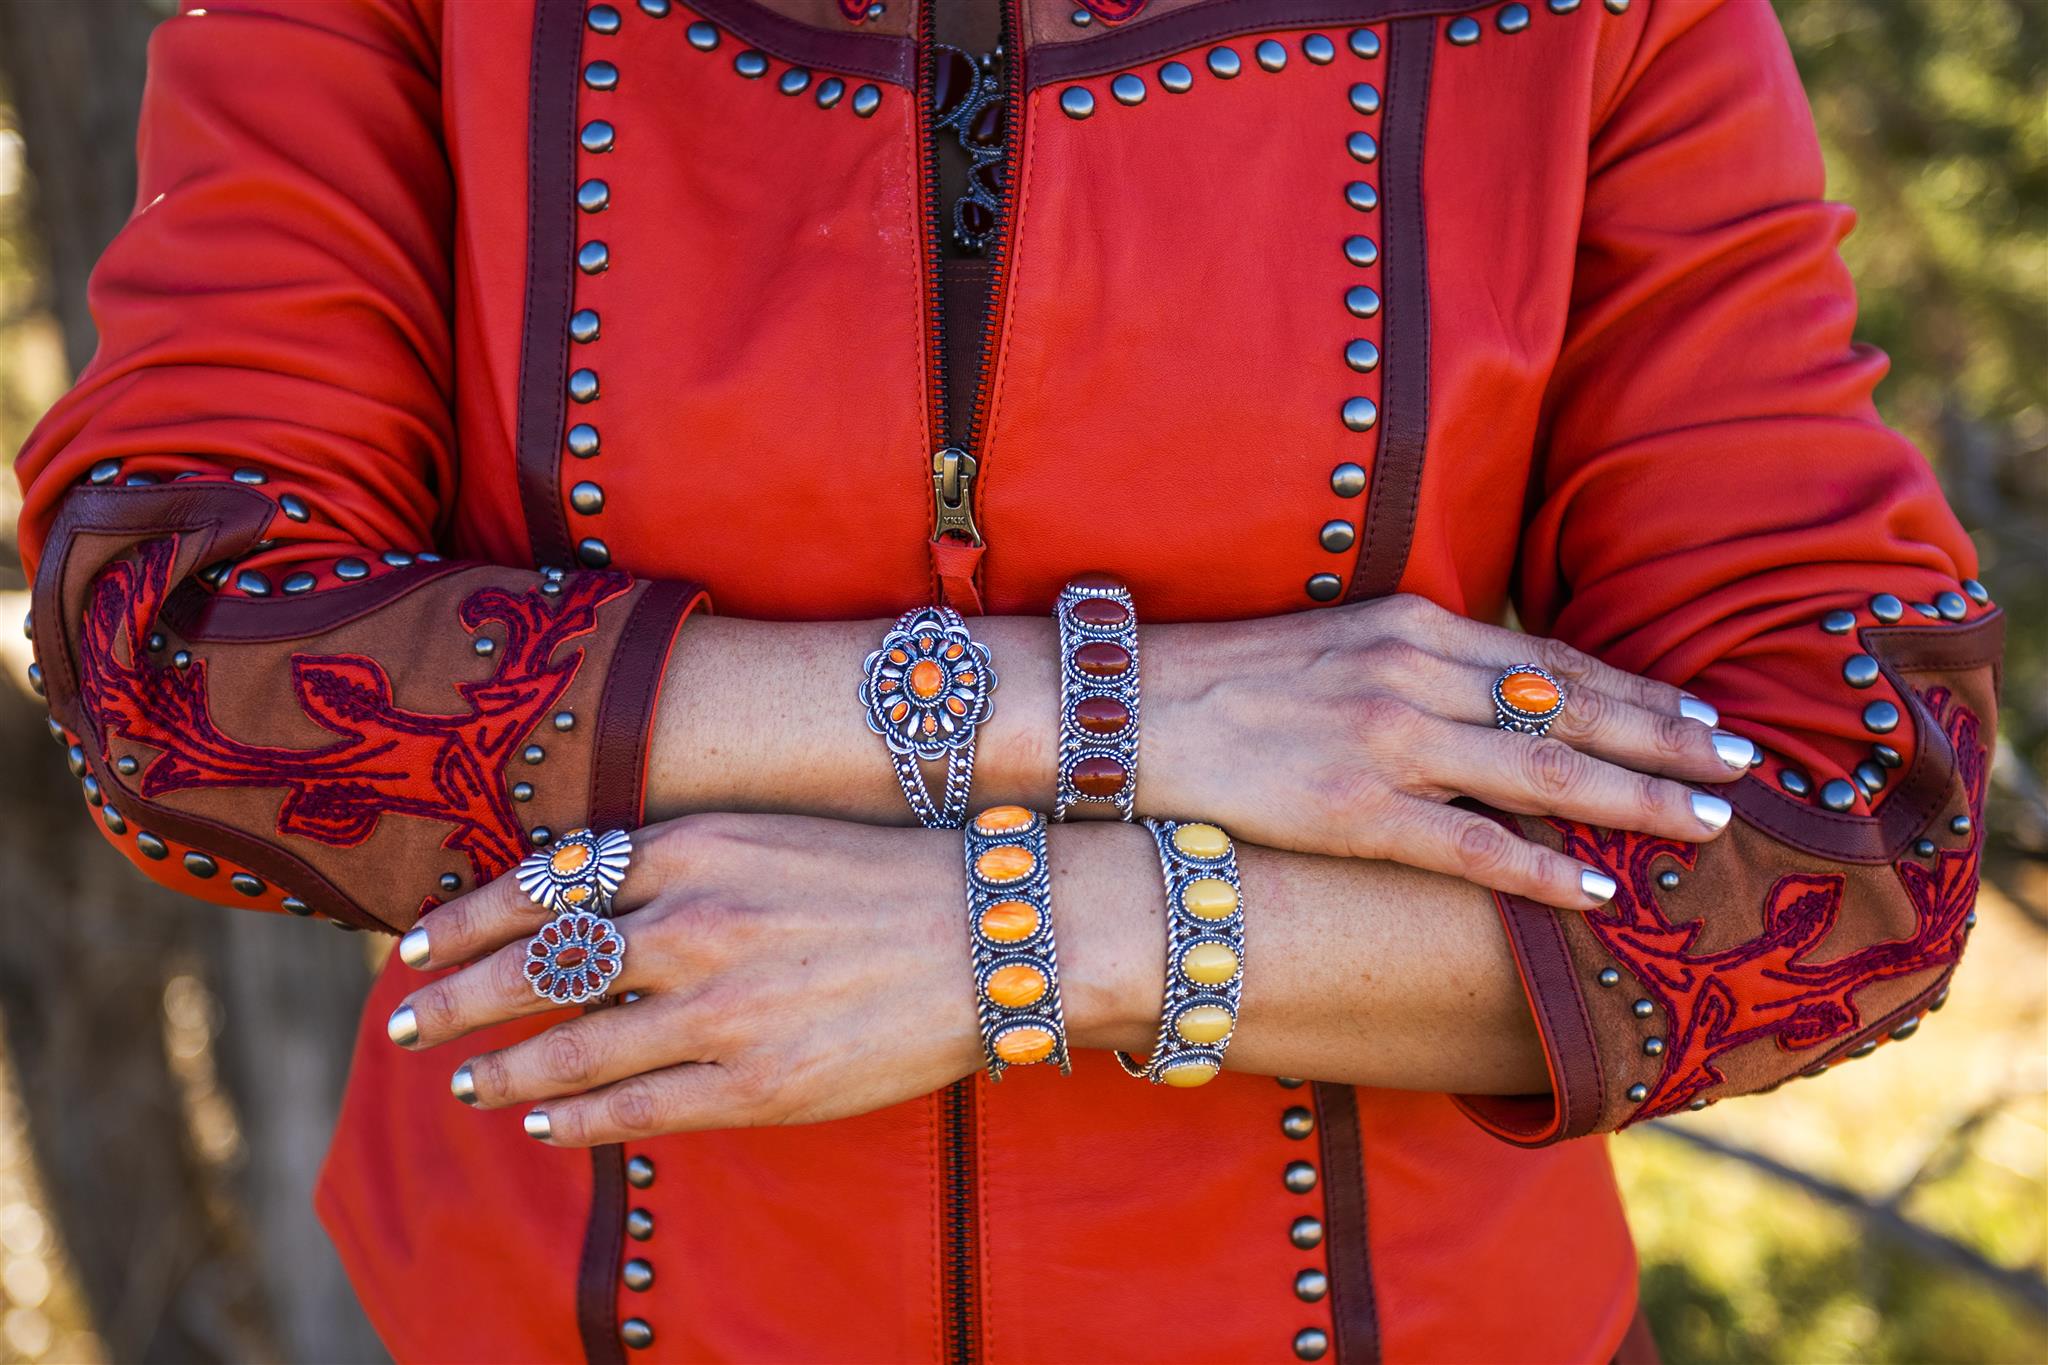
{"x":1530,"y":304}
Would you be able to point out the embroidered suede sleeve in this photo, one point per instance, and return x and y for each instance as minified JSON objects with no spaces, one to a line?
{"x":275,"y":693}
{"x":1719,"y":506}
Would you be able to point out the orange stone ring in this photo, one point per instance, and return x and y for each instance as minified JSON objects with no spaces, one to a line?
{"x":581,"y":871}
{"x":1526,"y":700}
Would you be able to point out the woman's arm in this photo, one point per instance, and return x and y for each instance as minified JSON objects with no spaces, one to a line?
{"x":795,"y":970}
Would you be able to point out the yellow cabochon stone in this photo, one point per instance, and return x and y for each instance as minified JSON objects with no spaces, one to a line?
{"x":1209,"y":898}
{"x":1188,"y":1075}
{"x":1023,"y":1046}
{"x":1201,"y":841}
{"x":1209,"y":964}
{"x":1016,"y":985}
{"x":1204,"y":1024}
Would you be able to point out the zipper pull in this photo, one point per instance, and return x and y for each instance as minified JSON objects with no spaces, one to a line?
{"x":953,"y":495}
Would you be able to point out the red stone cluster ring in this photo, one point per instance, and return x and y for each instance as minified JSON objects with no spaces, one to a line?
{"x":1526,"y":699}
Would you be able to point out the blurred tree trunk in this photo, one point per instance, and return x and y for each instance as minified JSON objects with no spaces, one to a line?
{"x":178,"y":1146}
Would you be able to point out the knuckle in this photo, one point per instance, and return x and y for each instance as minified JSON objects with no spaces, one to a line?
{"x":1483,"y":847}
{"x":633,"y":1107}
{"x":750,"y":1081}
{"x":1382,"y":716}
{"x":434,"y":1008}
{"x":1674,"y":737}
{"x":508,"y":974}
{"x":1553,"y":768}
{"x":567,"y":1057}
{"x":1561,"y":659}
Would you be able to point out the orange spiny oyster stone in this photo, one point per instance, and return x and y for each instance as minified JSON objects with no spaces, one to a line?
{"x":1005,"y":863}
{"x":1002,"y":819}
{"x":926,"y":678}
{"x":1009,"y":921}
{"x":1023,"y":1046}
{"x":1528,"y":692}
{"x":569,"y":859}
{"x":1015,"y":986}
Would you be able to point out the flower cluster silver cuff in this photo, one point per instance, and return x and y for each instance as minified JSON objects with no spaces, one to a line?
{"x":1009,"y":930}
{"x":926,"y":691}
{"x":1098,"y":753}
{"x":1204,"y":955}
{"x":575,"y":957}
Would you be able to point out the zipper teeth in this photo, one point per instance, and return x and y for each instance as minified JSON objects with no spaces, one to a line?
{"x":998,"y":238}
{"x":935,"y":283}
{"x":962,"y":1324}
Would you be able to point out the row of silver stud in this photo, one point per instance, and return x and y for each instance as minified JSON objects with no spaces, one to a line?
{"x":1177,"y":78}
{"x":637,"y":1274}
{"x":1465,"y":30}
{"x":1312,"y":1283}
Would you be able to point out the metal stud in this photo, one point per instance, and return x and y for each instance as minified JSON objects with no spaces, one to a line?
{"x":1128,"y":89}
{"x":1270,"y":55}
{"x":636,"y":1333}
{"x":1364,"y":43}
{"x":1464,"y":30}
{"x":181,"y":660}
{"x":603,"y":19}
{"x":1362,"y":301}
{"x":1976,"y":591}
{"x":484,"y":646}
{"x":105,"y":472}
{"x":587,"y":498}
{"x":1887,"y":755}
{"x":1959,"y":825}
{"x":1319,"y":49}
{"x":1311,"y":1343}
{"x":1887,"y":608}
{"x":1299,"y":1177}
{"x":397,"y":559}
{"x":1311,"y":1285}
{"x":1642,"y":1009}
{"x":1668,"y":879}
{"x":593,"y":258}
{"x":1298,"y":1122}
{"x":115,"y":824}
{"x":89,"y":786}
{"x":593,"y":196}
{"x":1360,"y":414}
{"x":1907,"y":1029}
{"x":126,"y":765}
{"x":1609,"y":977}
{"x":1362,"y":355}
{"x":1616,"y":6}
{"x":1562,"y":6}
{"x":1970,"y":920}
{"x":1638,"y":1092}
{"x":1361,"y":196}
{"x":583,"y":386}
{"x":1077,"y":101}
{"x":702,"y":36}
{"x":522,"y":791}
{"x":56,"y":730}
{"x":564,"y":721}
{"x":639,"y":1224}
{"x":1653,"y":1047}
{"x":1080,"y":18}
{"x":866,"y":100}
{"x":1289,"y":1082}
{"x":1361,"y":250}
{"x":639,"y":1172}
{"x":1795,"y":782}
{"x":450,"y":883}
{"x":597,"y":136}
{"x":351,"y":568}
{"x":1365,"y":97}
{"x":593,"y":552}
{"x":750,"y":64}
{"x":1337,"y":536}
{"x":1860,"y":670}
{"x":156,"y":642}
{"x":151,"y":846}
{"x":140,"y":481}
{"x":1870,"y":776}
{"x":532,"y":754}
{"x":253,"y":583}
{"x":199,"y":865}
{"x":1928,"y":610}
{"x":583,"y":440}
{"x":246,"y":884}
{"x":601,"y":76}
{"x":1362,"y":147}
{"x":1836,"y":794}
{"x":250,"y":477}
{"x":74,"y":759}
{"x":215,"y":575}
{"x":1224,"y":62}
{"x":540,"y":836}
{"x":1939,"y":1000}
{"x":1324,"y":587}
{"x":794,"y":81}
{"x":1952,"y":606}
{"x":654,"y":9}
{"x":1512,"y":19}
{"x":427,"y":557}
{"x":583,"y":325}
{"x":829,"y":91}
{"x":1176,"y":79}
{"x":1923,"y":848}
{"x":1838,"y":622}
{"x":638,"y":1274}
{"x":1861,"y":1050}
{"x":1347,"y":480}
{"x":1880,"y":717}
{"x":1306,"y":1232}
{"x":1699,"y":1102}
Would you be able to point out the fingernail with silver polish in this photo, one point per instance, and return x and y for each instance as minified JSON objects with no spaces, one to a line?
{"x":463,"y":1084}
{"x":1692,"y":708}
{"x":1597,"y":885}
{"x":412,"y":949}
{"x":1711,"y":811}
{"x":403,"y":1026}
{"x":1733,"y":750}
{"x":537,"y":1125}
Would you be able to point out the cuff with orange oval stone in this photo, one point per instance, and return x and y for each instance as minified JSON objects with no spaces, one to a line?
{"x":1204,"y":955}
{"x":1009,"y":928}
{"x":1098,"y":757}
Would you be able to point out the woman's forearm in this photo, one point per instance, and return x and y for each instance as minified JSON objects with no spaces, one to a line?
{"x":1357,"y":971}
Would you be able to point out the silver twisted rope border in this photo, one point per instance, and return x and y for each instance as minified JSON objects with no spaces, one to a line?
{"x":1184,"y":931}
{"x":1076,"y":743}
{"x":1037,"y":949}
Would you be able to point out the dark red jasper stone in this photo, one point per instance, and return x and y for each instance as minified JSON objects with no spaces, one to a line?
{"x":986,"y":130}
{"x":976,"y":217}
{"x":953,"y":78}
{"x":1100,"y":611}
{"x":1101,"y":778}
{"x":1097,"y":581}
{"x":1101,"y":715}
{"x":1101,"y":659}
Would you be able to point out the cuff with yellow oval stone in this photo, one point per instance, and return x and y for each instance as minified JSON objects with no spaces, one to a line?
{"x":1204,"y":955}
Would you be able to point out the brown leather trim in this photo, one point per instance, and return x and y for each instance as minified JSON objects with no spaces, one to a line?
{"x":207,"y":618}
{"x":1577,"y":1090}
{"x":597,"y":1276}
{"x":1347,"y":1241}
{"x":1396,"y":489}
{"x":1923,"y":789}
{"x":881,"y":57}
{"x":550,"y":282}
{"x":625,"y":709}
{"x":1146,"y":39}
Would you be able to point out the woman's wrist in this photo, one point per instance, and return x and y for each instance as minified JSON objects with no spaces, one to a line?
{"x":1109,"y":910}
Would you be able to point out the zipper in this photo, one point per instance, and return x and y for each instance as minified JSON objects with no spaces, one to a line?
{"x":954,"y":467}
{"x":963,"y":1303}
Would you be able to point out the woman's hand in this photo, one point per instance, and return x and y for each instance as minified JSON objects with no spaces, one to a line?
{"x":1346,"y":732}
{"x":787,"y":970}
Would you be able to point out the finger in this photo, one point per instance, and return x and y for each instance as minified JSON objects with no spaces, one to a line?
{"x":1532,"y":775}
{"x":1486,"y":853}
{"x":577,"y":1054}
{"x":1495,"y":648}
{"x":696,"y":1095}
{"x":491,"y":991}
{"x":1608,"y":727}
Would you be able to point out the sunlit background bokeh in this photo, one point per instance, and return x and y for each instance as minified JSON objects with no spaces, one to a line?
{"x":1895,"y":1211}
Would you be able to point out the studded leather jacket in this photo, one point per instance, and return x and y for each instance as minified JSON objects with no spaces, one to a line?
{"x":453,"y":347}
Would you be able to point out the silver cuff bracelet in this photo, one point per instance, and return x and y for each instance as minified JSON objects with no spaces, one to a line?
{"x":1204,"y":955}
{"x":1098,"y":757}
{"x":926,"y":690}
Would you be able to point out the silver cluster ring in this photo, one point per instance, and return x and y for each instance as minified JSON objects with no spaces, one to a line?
{"x":574,"y":957}
{"x":1098,"y":757}
{"x":926,"y":691}
{"x":1204,"y":955}
{"x":1516,"y":694}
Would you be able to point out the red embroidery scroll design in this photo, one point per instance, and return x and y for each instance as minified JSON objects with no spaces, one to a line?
{"x":1769,"y":987}
{"x":1114,"y":11}
{"x":388,"y":760}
